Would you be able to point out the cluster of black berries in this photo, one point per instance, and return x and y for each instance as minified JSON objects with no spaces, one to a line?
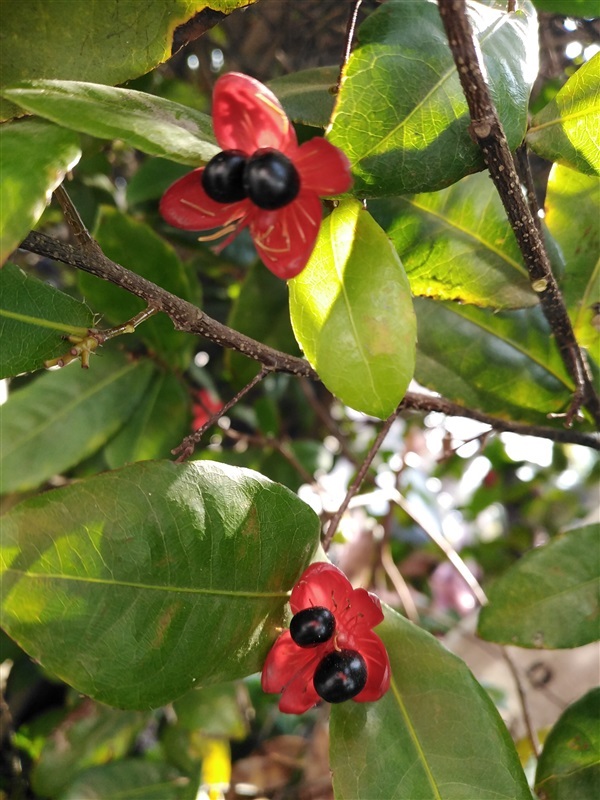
{"x":267,"y":178}
{"x":341,"y":674}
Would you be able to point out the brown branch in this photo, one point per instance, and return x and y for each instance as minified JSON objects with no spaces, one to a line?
{"x":188,"y":317}
{"x":486,"y":129}
{"x":348,"y":39}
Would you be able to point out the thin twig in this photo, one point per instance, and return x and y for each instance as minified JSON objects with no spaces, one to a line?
{"x":323,"y":414}
{"x":76,"y":225}
{"x":529,"y":727}
{"x":186,"y":448}
{"x":348,"y":39}
{"x":487,"y":131}
{"x":399,"y":584}
{"x":357,"y":482}
{"x":444,"y":545}
{"x":258,"y":440}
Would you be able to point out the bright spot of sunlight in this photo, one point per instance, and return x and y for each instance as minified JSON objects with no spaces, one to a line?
{"x":193,"y":61}
{"x":573,"y":50}
{"x":528,"y":448}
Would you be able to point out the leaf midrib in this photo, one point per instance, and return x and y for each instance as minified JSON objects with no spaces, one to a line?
{"x":586,"y":112}
{"x":60,"y":327}
{"x":143,"y":586}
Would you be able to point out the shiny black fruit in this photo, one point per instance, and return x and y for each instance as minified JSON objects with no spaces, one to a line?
{"x":270,"y":179}
{"x":223,"y":177}
{"x":312,"y":626}
{"x":340,"y":676}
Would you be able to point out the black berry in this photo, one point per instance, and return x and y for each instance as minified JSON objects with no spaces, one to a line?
{"x":312,"y":626}
{"x":223,"y":177}
{"x":340,"y":676}
{"x":270,"y":179}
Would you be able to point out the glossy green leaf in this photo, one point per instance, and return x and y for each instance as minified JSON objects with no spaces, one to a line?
{"x":457,"y":244}
{"x":567,"y":130}
{"x":401,"y":116}
{"x":64,"y":416}
{"x":135,"y":246}
{"x":108,"y":42}
{"x":352,"y":313}
{"x":308,"y":96}
{"x":34,"y":319}
{"x":572,"y":213}
{"x":129,"y":779}
{"x":34,"y":157}
{"x":135,"y":585}
{"x":435,"y":735}
{"x":154,"y":125}
{"x":260,"y":311}
{"x":569,"y":766}
{"x":504,"y":363}
{"x":570,"y":8}
{"x":551,"y":597}
{"x":92,"y":734}
{"x":160,"y":422}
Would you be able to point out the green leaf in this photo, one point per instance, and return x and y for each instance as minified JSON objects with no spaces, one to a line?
{"x":569,"y":766}
{"x":504,"y":363}
{"x":352,"y":314}
{"x":436,"y":733}
{"x":64,"y":416}
{"x":457,"y":244}
{"x":135,"y":585}
{"x":567,"y":130}
{"x":108,"y":42}
{"x":129,"y":779}
{"x":135,"y":246}
{"x":550,"y":598}
{"x":401,"y":116}
{"x":572,"y":213}
{"x":214,"y":711}
{"x":152,"y":179}
{"x":34,"y":319}
{"x":34,"y":157}
{"x":570,"y":8}
{"x":307,"y":96}
{"x":160,"y":422}
{"x":90,"y":735}
{"x":154,"y":125}
{"x":260,"y":311}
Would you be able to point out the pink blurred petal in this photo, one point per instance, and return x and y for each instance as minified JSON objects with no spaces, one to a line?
{"x":285,"y":239}
{"x":248,"y":116}
{"x":323,"y":168}
{"x":373,"y":651}
{"x":321,"y":584}
{"x":186,"y":205}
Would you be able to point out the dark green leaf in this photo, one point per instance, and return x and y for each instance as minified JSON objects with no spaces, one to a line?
{"x":135,"y":245}
{"x":503,"y":363}
{"x":135,"y":585}
{"x":154,"y":125}
{"x":34,"y":319}
{"x":109,"y":42}
{"x":551,"y":597}
{"x":130,"y":779}
{"x":62,"y":417}
{"x":571,"y":8}
{"x":160,"y":422}
{"x":401,"y":116}
{"x":457,"y":244}
{"x":352,"y":314}
{"x":215,"y":711}
{"x":435,"y":734}
{"x":260,"y":311}
{"x":152,"y":179}
{"x":572,"y":214}
{"x":307,"y":96}
{"x":88,"y":736}
{"x":567,"y":130}
{"x":34,"y":157}
{"x":569,"y":767}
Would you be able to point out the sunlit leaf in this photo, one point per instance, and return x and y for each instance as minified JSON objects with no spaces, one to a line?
{"x":569,"y":766}
{"x":136,"y":585}
{"x":401,"y":116}
{"x":34,"y":157}
{"x":154,"y":125}
{"x":34,"y":320}
{"x":435,"y":734}
{"x":567,"y":130}
{"x":62,"y":417}
{"x":551,"y":597}
{"x":352,"y":314}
